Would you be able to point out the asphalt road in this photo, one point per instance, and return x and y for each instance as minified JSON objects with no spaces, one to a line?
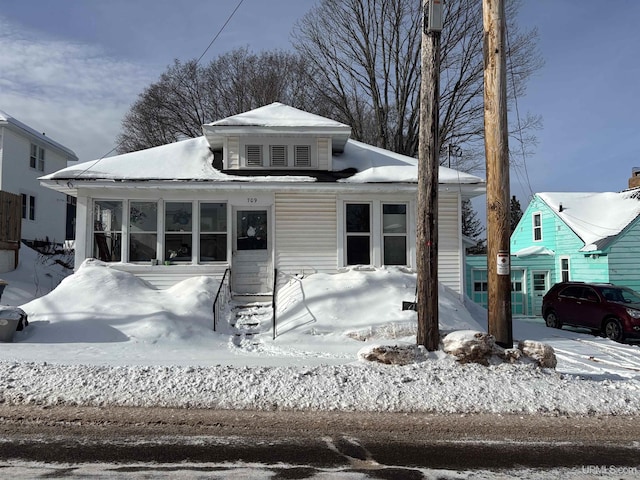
{"x":357,"y":441}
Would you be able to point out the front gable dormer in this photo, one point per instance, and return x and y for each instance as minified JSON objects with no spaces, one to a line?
{"x":277,"y":137}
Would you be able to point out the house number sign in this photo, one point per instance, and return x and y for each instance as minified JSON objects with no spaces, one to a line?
{"x":252,"y":200}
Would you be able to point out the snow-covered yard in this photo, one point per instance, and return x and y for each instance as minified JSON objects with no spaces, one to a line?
{"x":103,"y":337}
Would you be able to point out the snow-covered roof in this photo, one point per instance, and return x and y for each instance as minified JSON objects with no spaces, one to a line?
{"x":278,"y":118}
{"x":191,"y":160}
{"x":278,"y":115}
{"x":595,"y":217}
{"x":377,"y":165}
{"x":6,"y":119}
{"x":533,"y":250}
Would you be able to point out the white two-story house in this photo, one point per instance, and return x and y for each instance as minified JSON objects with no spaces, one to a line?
{"x":26,"y":155}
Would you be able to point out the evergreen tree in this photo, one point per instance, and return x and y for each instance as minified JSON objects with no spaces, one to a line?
{"x":472,"y":228}
{"x":515,"y":212}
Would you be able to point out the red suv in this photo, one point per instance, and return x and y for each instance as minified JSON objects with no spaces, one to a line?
{"x":604,"y":308}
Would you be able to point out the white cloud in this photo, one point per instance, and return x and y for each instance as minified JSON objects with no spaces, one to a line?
{"x":76,"y":93}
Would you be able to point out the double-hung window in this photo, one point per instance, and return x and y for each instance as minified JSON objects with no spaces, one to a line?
{"x":36,"y":159}
{"x":537,"y":227}
{"x":178,"y":231}
{"x":28,"y":206}
{"x":213,"y":232}
{"x":394,"y":233}
{"x":358,"y":232}
{"x":143,"y":231}
{"x":158,"y":231}
{"x":107,"y":230}
{"x":564,"y":268}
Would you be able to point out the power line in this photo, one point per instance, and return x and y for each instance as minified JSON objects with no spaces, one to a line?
{"x":220,"y":31}
{"x":515,"y":96}
{"x":240,"y":2}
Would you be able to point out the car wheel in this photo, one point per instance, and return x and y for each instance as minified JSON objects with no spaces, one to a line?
{"x":613,"y":330}
{"x":551,"y":319}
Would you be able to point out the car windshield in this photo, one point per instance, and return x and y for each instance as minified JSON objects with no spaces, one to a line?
{"x":622,"y":295}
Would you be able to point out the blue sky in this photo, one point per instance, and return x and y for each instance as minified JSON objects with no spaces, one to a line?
{"x":72,"y":68}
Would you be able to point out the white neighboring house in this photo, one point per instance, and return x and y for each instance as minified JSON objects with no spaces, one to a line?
{"x":275,"y":188}
{"x":26,"y":155}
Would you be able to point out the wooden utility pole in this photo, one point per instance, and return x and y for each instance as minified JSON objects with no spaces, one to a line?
{"x":497,"y":155}
{"x":428,"y":165}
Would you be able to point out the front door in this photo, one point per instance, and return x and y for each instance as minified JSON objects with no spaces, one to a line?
{"x":251,"y":267}
{"x":540,"y":287}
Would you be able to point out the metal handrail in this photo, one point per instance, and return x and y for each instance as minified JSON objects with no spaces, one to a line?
{"x":273,"y":301}
{"x":216,"y":305}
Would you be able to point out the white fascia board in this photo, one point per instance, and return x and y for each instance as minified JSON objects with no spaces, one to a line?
{"x":216,"y":133}
{"x":70,"y":187}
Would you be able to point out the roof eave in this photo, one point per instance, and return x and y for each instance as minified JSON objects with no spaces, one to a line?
{"x":70,"y":186}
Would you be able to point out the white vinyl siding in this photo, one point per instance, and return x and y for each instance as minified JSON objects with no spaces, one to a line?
{"x":449,"y":242}
{"x":324,"y":154}
{"x":232,"y":156}
{"x":305,"y":233}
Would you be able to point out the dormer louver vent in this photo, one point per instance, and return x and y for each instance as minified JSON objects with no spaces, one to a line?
{"x":254,"y":155}
{"x":278,"y":155}
{"x":302,"y":155}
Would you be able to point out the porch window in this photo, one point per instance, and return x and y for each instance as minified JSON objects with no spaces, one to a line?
{"x":358,"y":216}
{"x":394,"y":234}
{"x":213,"y":232}
{"x":178,"y":231}
{"x":537,"y":227}
{"x":143,"y":231}
{"x":107,"y":230}
{"x":480,"y":287}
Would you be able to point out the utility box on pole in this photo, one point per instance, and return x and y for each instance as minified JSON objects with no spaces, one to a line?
{"x":435,"y":16}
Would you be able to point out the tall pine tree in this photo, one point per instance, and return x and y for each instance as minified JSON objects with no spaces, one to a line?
{"x":515,"y":213}
{"x":472,"y":227}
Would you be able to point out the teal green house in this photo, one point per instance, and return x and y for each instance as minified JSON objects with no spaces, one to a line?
{"x":590,"y":237}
